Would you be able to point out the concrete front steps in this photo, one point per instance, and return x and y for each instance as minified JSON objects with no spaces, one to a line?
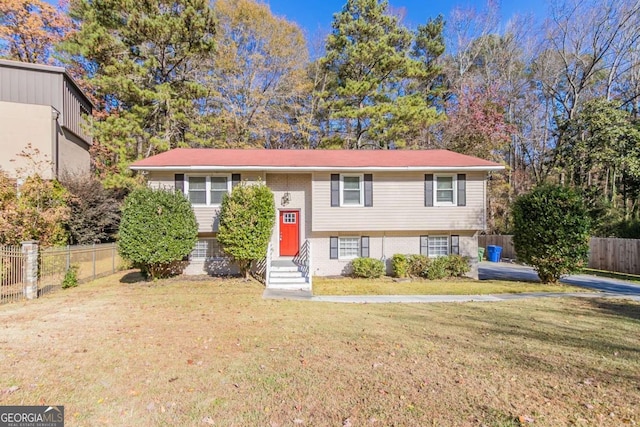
{"x":286,"y":275}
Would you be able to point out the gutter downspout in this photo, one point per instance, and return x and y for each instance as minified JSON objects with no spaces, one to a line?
{"x":55,"y":115}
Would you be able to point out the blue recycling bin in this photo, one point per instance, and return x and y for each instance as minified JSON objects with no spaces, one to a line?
{"x":493,"y":253}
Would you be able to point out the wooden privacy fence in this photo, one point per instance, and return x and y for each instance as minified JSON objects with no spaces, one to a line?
{"x":611,"y":254}
{"x":506,"y":242}
{"x":28,"y":271}
{"x":608,"y":254}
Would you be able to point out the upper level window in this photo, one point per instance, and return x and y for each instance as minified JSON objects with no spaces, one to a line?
{"x":445,"y":193}
{"x":198,"y":190}
{"x":352,"y":193}
{"x":445,"y":190}
{"x":207,"y":190}
{"x":219,"y":187}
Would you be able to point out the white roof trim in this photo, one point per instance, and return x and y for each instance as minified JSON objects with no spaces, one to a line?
{"x":316,"y":168}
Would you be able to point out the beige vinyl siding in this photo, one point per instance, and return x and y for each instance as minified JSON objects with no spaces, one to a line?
{"x":164,"y":180}
{"x":206,"y":216}
{"x":398,"y":204}
{"x":383,"y":246}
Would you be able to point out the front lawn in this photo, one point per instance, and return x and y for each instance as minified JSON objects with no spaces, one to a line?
{"x":214,"y":353}
{"x":387,"y":286}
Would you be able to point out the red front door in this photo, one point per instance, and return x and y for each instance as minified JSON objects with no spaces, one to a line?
{"x":289,"y":233}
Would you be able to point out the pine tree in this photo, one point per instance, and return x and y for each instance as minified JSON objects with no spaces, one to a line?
{"x":378,"y":69}
{"x":145,"y":61}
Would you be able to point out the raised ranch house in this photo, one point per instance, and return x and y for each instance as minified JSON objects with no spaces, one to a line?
{"x":43,"y":106}
{"x":335,"y":205}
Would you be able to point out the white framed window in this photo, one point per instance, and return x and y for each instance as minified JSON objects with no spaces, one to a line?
{"x":444,"y":191}
{"x":206,"y":248}
{"x":351,"y":190}
{"x":197,"y":190}
{"x":207,"y":190}
{"x":434,"y":246}
{"x":348,"y":247}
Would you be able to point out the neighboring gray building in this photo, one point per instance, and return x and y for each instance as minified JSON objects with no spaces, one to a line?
{"x":43,"y":106}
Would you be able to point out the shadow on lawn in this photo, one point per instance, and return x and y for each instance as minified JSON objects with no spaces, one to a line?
{"x":514,"y":333}
{"x":620,"y":308}
{"x":133,"y":277}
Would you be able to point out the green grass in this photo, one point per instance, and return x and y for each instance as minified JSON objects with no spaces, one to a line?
{"x":120,"y":352}
{"x":387,"y":286}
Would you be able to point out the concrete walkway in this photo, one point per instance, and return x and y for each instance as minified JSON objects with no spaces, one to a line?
{"x":606,"y":288}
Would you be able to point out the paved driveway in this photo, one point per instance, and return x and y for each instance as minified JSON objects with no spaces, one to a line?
{"x":506,"y":271}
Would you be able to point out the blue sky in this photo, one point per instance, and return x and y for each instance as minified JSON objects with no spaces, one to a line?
{"x":316,"y":15}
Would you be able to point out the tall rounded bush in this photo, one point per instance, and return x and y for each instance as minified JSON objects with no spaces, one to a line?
{"x":247,"y":217}
{"x":551,"y":231}
{"x":158,"y":228}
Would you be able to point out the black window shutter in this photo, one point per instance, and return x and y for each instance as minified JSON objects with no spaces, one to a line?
{"x":455,"y":245}
{"x":235,"y":179}
{"x":428,"y":189}
{"x":335,"y":190}
{"x":333,"y":247}
{"x":462,"y":189}
{"x":179,"y":182}
{"x":368,"y":189}
{"x":364,"y":246}
{"x":424,"y":245}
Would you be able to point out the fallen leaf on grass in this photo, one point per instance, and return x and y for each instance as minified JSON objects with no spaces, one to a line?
{"x":11,"y":389}
{"x":525,"y":419}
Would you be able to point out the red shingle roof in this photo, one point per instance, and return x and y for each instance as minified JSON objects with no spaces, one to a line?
{"x":203,"y":158}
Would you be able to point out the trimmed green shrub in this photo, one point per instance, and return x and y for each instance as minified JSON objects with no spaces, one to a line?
{"x":418,"y":265}
{"x":551,"y":231}
{"x":70,"y":277}
{"x":457,"y":266}
{"x":437,"y":269}
{"x":247,"y":217}
{"x":368,"y":268}
{"x":400,"y":265}
{"x":158,"y":228}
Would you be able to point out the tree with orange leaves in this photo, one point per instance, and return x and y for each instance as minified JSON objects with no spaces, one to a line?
{"x":29,"y":29}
